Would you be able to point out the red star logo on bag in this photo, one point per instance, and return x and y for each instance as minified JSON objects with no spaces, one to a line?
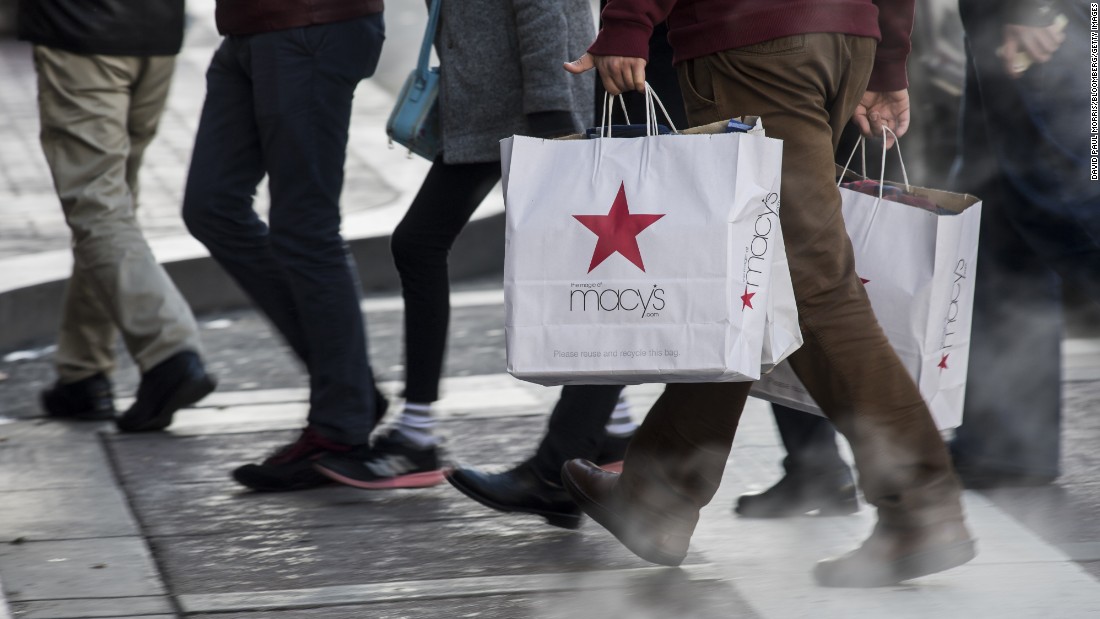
{"x":943,"y":362}
{"x":746,"y":299}
{"x":617,"y":231}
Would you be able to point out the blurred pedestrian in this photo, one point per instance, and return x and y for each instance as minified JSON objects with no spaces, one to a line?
{"x":815,"y":476}
{"x":278,"y":103}
{"x":1024,"y":148}
{"x":806,"y":69}
{"x":499,"y":77}
{"x":588,"y":421}
{"x":104,"y":70}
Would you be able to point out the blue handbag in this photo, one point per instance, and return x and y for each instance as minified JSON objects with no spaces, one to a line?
{"x":414,"y":121}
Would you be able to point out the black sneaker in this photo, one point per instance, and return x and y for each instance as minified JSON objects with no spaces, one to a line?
{"x":391,"y":462}
{"x":176,"y":382}
{"x":291,"y":466}
{"x":89,"y":399}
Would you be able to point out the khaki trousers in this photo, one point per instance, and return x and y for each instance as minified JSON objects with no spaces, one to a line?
{"x":805,"y":88}
{"x":98,"y":113}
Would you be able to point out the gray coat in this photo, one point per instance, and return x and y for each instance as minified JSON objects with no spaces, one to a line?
{"x":500,"y":60}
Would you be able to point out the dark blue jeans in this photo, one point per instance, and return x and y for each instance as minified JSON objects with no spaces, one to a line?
{"x":279,"y":103}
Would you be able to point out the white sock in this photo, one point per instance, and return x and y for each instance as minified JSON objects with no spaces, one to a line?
{"x":416,"y":423}
{"x":621,"y":423}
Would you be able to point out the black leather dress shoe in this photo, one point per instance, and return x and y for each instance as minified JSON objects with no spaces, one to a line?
{"x":174,"y":383}
{"x":655,"y":537}
{"x":89,"y":399}
{"x":831,"y":493}
{"x":519,"y":490}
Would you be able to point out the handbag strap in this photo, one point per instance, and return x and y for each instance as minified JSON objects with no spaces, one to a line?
{"x":429,"y":37}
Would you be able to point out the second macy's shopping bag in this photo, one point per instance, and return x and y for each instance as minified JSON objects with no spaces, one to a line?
{"x":634,"y":260}
{"x":917,"y":261}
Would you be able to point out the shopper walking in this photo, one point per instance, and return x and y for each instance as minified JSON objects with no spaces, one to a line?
{"x":806,"y":69}
{"x":104,"y":69}
{"x":499,"y":77}
{"x":278,"y":103}
{"x":1023,"y":150}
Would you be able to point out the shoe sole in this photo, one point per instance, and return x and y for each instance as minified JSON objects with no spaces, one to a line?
{"x":608,"y":520}
{"x":414,"y":480}
{"x":919,"y":564}
{"x":184,"y":395}
{"x":557,"y":519}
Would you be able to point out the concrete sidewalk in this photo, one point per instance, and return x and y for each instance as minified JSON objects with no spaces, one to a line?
{"x":172,"y":536}
{"x":98,"y":524}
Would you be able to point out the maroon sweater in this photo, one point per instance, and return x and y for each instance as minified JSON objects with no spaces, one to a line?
{"x":702,"y":27}
{"x":237,"y":17}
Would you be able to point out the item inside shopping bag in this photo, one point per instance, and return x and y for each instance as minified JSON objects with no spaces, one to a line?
{"x":625,"y":131}
{"x":896,"y":194}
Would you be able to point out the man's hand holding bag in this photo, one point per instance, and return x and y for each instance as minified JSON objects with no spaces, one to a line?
{"x":642,"y":259}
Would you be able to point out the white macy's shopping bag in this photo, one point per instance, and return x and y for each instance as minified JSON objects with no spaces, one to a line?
{"x":918,"y":268}
{"x":646,"y":259}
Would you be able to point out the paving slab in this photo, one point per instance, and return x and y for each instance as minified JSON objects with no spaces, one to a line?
{"x":1080,"y":458}
{"x":224,"y":507}
{"x":382,"y":552}
{"x":114,"y":567}
{"x":1059,"y":513}
{"x":65,"y":513}
{"x":95,"y":608}
{"x":709,"y":601}
{"x":1092,"y":568}
{"x":52,"y":464}
{"x":46,"y":432}
{"x":645,"y":592}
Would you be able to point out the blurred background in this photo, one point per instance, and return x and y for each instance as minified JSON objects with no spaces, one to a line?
{"x":937,"y":68}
